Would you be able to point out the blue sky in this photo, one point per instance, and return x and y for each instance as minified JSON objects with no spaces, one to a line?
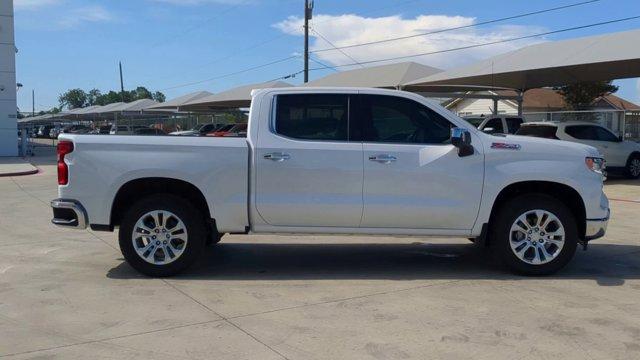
{"x":167,"y":44}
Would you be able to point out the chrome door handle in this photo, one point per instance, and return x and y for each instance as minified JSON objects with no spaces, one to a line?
{"x":383,"y":158}
{"x":277,"y":156}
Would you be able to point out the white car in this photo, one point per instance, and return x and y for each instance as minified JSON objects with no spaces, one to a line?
{"x":621,"y":156}
{"x":402,"y":166}
{"x":496,"y":124}
{"x":125,"y":129}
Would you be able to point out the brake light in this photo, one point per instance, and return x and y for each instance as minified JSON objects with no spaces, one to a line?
{"x":64,"y":148}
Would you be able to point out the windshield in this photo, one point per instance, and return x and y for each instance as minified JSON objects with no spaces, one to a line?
{"x":474,"y":121}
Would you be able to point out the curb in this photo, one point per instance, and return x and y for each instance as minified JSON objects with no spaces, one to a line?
{"x":21,"y":173}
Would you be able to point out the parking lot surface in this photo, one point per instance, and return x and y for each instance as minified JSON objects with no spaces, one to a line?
{"x":68,"y":294}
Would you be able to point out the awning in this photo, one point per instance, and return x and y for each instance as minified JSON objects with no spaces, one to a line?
{"x":389,"y":76}
{"x":233,"y":98}
{"x":174,"y":104}
{"x":593,"y":58}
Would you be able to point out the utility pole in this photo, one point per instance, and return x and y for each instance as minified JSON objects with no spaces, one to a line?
{"x":308,"y":15}
{"x":33,"y":102}
{"x":121,"y":82}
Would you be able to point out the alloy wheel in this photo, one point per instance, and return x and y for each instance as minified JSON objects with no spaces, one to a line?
{"x":537,"y":237}
{"x":159,"y":237}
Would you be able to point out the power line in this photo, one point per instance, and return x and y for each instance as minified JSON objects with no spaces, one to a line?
{"x":192,"y":28}
{"x":459,"y":27}
{"x":490,"y":43}
{"x":330,"y":43}
{"x":323,"y":64}
{"x":232,"y":73}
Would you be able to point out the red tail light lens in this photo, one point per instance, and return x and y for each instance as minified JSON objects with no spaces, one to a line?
{"x":64,"y":148}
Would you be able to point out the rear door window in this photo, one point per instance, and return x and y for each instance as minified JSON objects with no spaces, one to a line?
{"x":322,"y":117}
{"x":582,"y":132}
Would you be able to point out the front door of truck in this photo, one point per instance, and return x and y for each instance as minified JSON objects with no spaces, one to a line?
{"x":413,"y":176}
{"x":308,"y":169}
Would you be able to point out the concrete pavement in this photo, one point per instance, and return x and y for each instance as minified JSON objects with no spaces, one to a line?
{"x":69,"y":295}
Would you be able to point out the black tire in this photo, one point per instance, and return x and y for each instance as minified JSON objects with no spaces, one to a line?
{"x":193,"y":222}
{"x":630,"y":169}
{"x":507,"y":216}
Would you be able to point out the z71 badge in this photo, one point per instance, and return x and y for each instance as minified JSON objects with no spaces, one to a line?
{"x":505,"y":146}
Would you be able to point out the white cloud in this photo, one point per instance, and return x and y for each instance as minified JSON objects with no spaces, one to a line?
{"x":87,"y":14}
{"x":350,"y":29}
{"x":33,"y":4}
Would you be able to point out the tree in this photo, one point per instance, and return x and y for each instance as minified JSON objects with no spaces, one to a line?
{"x":580,"y":95}
{"x":140,"y":93}
{"x":159,"y":97}
{"x":92,"y":97}
{"x":75,"y":98}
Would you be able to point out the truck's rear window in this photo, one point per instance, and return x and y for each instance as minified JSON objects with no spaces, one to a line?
{"x":541,"y":131}
{"x":313,"y":116}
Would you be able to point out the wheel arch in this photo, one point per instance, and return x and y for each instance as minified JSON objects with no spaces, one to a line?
{"x":565,"y":193}
{"x":136,"y":189}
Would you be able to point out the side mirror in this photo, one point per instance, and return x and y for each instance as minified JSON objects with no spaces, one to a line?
{"x":620,"y":138}
{"x":461,"y":138}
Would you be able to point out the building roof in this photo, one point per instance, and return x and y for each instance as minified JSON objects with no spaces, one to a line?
{"x":179,"y":101}
{"x":384,"y":76}
{"x":233,"y":98}
{"x":554,"y":63}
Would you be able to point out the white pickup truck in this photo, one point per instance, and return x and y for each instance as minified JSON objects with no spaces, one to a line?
{"x":335,"y":161}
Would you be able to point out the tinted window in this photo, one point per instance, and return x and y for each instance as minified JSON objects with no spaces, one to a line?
{"x":513,"y":124}
{"x":393,"y":119}
{"x":582,"y":132}
{"x":475,"y":121}
{"x":493,"y":126}
{"x":541,"y":131}
{"x":313,"y":116}
{"x":605,"y":135}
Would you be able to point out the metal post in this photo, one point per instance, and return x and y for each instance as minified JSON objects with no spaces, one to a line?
{"x":33,"y":102}
{"x":495,"y":106}
{"x":121,"y":81}
{"x":520,"y":103}
{"x":308,"y":15}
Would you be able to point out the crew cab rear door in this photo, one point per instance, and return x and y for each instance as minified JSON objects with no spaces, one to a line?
{"x":309,"y":163}
{"x":413,"y":176}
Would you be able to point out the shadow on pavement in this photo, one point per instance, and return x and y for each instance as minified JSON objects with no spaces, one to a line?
{"x":605,"y":263}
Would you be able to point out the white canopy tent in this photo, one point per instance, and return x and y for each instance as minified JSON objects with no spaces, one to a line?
{"x":175,"y":104}
{"x":593,"y":58}
{"x":390,"y":76}
{"x":233,"y":98}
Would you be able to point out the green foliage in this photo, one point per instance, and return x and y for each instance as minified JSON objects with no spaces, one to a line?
{"x":580,"y":95}
{"x":76,"y":98}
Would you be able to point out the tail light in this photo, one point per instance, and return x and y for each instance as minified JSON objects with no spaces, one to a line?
{"x":64,"y":148}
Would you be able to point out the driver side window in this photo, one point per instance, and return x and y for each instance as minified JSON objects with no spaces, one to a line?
{"x":391,"y":119}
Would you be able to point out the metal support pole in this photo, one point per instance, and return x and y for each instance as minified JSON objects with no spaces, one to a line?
{"x":495,"y":106}
{"x":121,"y":81}
{"x":520,"y":102}
{"x":308,"y":15}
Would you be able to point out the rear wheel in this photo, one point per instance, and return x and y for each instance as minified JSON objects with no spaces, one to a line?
{"x":633,"y":167}
{"x":535,"y":234}
{"x":161,"y":235}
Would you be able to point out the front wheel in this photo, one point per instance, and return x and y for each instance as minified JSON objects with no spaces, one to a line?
{"x":535,"y":234}
{"x":161,"y":235}
{"x":633,"y":167}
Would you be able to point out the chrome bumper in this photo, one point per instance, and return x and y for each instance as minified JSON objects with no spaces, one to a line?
{"x":68,"y":213}
{"x":596,"y":228}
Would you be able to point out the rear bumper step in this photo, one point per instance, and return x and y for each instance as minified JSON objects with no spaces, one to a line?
{"x":69,"y":214}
